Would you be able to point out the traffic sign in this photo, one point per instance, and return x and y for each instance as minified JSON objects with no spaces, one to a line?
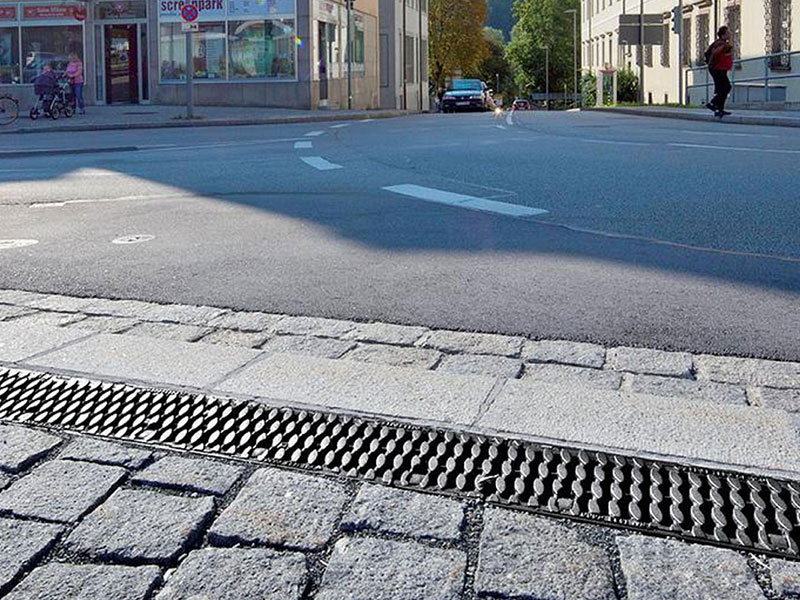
{"x":190,"y":27}
{"x":631,"y":28}
{"x":189,"y":12}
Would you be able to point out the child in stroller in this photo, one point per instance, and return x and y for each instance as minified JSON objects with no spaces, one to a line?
{"x":53,"y":96}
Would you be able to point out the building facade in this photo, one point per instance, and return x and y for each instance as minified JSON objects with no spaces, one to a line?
{"x":759,"y":27}
{"x":281,"y":53}
{"x":404,"y":54}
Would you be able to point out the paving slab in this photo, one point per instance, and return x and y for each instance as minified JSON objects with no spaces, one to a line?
{"x":230,"y":337}
{"x":56,"y":581}
{"x":22,"y":543}
{"x":308,"y":345}
{"x":247,"y":321}
{"x":315,"y":326}
{"x":748,"y":371}
{"x":661,"y":569}
{"x":151,"y":311}
{"x":386,"y":333}
{"x":785,"y":577}
{"x":147,"y":359}
{"x":141,"y":526}
{"x":404,"y":512}
{"x":20,"y":447}
{"x":369,"y":388}
{"x":190,"y":474}
{"x":48,"y":319}
{"x":60,"y":490}
{"x":398,"y":356}
{"x":730,"y":435}
{"x":281,"y":508}
{"x":710,"y":391}
{"x":237,"y":574}
{"x":104,"y":324}
{"x":650,"y":362}
{"x":374,"y":569}
{"x":563,"y":352}
{"x":473,"y":343}
{"x":19,"y":340}
{"x":57,"y":302}
{"x":91,"y":450}
{"x":11,"y":312}
{"x":568,"y":374}
{"x":168,"y":331}
{"x":526,"y":556}
{"x":481,"y":364}
{"x":788,"y":400}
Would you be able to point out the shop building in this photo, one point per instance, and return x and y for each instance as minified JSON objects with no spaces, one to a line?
{"x":281,"y":53}
{"x":404,"y":54}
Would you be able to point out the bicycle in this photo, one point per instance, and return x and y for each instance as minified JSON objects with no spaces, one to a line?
{"x":9,"y":110}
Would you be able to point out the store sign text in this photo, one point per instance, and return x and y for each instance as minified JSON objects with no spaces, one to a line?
{"x":8,"y":13}
{"x":42,"y":12}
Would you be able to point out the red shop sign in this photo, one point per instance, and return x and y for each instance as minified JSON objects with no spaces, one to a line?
{"x":40,"y":12}
{"x":8,"y":13}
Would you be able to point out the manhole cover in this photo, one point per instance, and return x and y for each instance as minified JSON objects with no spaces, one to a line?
{"x":133,"y":239}
{"x":7,"y":244}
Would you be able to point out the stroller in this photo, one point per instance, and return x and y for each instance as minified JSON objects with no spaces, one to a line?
{"x":54,"y":97}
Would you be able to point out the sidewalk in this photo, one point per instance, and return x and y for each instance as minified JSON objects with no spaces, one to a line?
{"x":265,"y":449}
{"x":788,"y":118}
{"x":145,"y":116}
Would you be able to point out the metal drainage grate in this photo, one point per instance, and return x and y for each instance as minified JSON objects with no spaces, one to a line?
{"x":728,"y":509}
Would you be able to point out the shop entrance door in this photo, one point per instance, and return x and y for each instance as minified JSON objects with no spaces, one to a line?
{"x":122,"y":66}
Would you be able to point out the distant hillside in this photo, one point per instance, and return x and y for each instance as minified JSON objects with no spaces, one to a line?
{"x":501,"y":15}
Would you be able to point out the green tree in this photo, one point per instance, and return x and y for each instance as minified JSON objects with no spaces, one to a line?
{"x":501,"y":16}
{"x":457,"y":43}
{"x":540,"y":24}
{"x":495,"y":64}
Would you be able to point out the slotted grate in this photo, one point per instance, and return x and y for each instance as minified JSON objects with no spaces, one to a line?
{"x":723,"y":508}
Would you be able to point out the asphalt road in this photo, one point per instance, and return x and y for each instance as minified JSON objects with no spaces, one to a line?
{"x":657,"y":233}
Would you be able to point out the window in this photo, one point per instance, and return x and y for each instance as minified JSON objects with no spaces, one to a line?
{"x":733,"y":17}
{"x":9,"y":55}
{"x":687,"y":42}
{"x":259,"y":49}
{"x":702,"y":39}
{"x":411,"y":71}
{"x":665,"y":46}
{"x":43,"y":45}
{"x":106,"y":10}
{"x":424,"y":60}
{"x":208,"y":52}
{"x":648,"y":55}
{"x":779,"y":31}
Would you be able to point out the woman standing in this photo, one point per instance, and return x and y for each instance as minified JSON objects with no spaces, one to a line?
{"x":75,"y":78}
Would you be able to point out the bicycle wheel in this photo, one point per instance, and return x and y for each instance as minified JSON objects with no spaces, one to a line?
{"x":9,"y":111}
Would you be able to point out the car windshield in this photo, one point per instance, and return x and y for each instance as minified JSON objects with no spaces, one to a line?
{"x":466,"y":84}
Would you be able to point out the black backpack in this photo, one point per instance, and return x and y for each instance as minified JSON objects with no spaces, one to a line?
{"x":709,"y":55}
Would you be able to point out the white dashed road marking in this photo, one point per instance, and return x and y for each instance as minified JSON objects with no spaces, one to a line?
{"x":133,"y":239}
{"x":510,"y":118}
{"x":315,"y":133}
{"x":320,"y":163}
{"x":737,"y":148}
{"x":500,"y":126}
{"x":340,"y":125}
{"x":303,"y":145}
{"x":462,"y":201}
{"x":8,"y":244}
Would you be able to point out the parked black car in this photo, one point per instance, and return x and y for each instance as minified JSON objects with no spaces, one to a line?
{"x":467,"y":94}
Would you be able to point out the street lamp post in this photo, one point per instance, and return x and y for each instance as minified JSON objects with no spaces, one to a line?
{"x":574,"y":13}
{"x":547,"y":75}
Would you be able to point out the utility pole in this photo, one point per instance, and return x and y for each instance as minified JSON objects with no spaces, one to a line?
{"x":641,"y":53}
{"x":547,"y":74}
{"x":405,"y":80}
{"x":349,"y":55}
{"x":419,"y":58}
{"x":189,"y":76}
{"x":677,"y":27}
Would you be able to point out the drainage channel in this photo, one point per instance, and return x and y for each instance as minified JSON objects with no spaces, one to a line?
{"x":722,"y":508}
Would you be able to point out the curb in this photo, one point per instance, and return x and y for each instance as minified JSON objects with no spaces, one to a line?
{"x":27,"y":153}
{"x":734,"y":119}
{"x":325,"y":118}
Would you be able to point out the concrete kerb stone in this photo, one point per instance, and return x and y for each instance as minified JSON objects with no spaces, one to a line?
{"x":386,"y":333}
{"x":473,"y":343}
{"x":563,"y":352}
{"x":318,"y":118}
{"x":748,"y":371}
{"x":737,"y":119}
{"x":650,"y":362}
{"x":397,"y":356}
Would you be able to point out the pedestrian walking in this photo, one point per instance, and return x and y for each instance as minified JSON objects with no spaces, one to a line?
{"x":75,"y":78}
{"x":719,"y":57}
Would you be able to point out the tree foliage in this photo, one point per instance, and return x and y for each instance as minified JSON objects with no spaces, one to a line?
{"x":495,"y":65}
{"x":501,"y":16}
{"x":540,"y":24}
{"x":457,"y":42}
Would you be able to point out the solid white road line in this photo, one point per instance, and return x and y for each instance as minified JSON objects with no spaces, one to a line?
{"x":340,"y":125}
{"x":315,"y":133}
{"x":614,"y":142}
{"x":303,"y":145}
{"x":462,"y":201}
{"x":320,"y":163}
{"x":510,"y":118}
{"x":737,"y":148}
{"x":726,"y":134}
{"x":63,"y":203}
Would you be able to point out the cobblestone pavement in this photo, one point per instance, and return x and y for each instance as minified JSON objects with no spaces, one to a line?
{"x":87,"y":518}
{"x":90,"y":519}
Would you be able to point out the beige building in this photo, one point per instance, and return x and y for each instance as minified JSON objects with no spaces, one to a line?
{"x":760,"y":27}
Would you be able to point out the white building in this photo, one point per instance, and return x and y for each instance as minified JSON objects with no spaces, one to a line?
{"x":759,"y":27}
{"x":404,"y":54}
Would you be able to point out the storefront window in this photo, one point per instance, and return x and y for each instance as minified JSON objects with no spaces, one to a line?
{"x":9,"y":55}
{"x":43,"y":45}
{"x":208,"y":51}
{"x":261,"y":48}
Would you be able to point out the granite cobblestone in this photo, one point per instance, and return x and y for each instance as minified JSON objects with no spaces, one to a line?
{"x":567,"y":374}
{"x":386,"y":333}
{"x":168,"y":331}
{"x":788,"y":400}
{"x":710,"y":391}
{"x":190,"y":474}
{"x":748,"y":371}
{"x":320,"y":347}
{"x":11,"y":312}
{"x":92,"y":450}
{"x":481,"y":364}
{"x":473,"y":343}
{"x":22,"y":543}
{"x":397,"y":356}
{"x":650,"y":362}
{"x":231,"y":337}
{"x":246,"y":321}
{"x":104,"y":324}
{"x":315,"y":326}
{"x":20,"y":447}
{"x":563,"y":352}
{"x":57,"y":581}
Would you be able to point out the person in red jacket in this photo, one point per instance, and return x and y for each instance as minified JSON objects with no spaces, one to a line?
{"x":720,"y":61}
